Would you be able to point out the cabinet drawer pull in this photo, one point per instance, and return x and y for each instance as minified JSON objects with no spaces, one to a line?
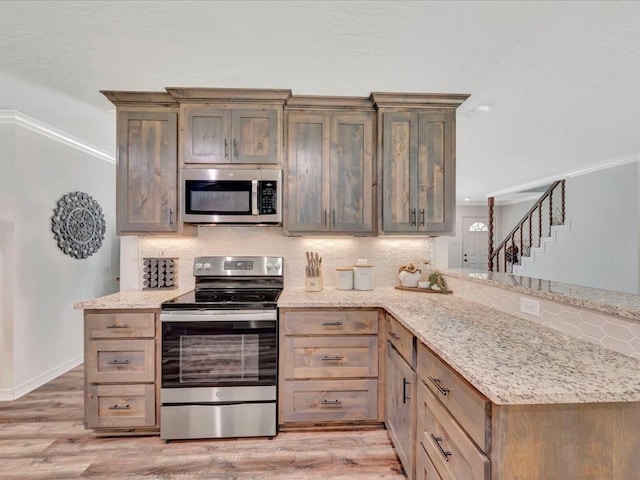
{"x":443,"y":452}
{"x":441,"y":389}
{"x":331,"y":358}
{"x":119,"y":407}
{"x":119,"y":362}
{"x":405,"y":397}
{"x":118,"y":326}
{"x":331,"y":324}
{"x":394,"y":335}
{"x":330,"y":403}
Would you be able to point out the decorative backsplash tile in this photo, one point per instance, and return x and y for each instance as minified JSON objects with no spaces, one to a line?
{"x":385,"y":253}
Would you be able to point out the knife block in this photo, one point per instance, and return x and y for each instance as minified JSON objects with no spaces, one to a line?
{"x":314,"y":284}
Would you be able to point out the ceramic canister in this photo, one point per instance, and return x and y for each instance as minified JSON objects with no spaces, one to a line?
{"x":344,"y":278}
{"x":364,"y":277}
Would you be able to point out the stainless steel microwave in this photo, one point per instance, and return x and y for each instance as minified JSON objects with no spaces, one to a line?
{"x":216,"y":195}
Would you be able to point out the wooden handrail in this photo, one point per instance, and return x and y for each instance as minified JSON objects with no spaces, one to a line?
{"x":508,"y":245}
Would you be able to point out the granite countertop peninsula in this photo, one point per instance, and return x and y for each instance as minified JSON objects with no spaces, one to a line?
{"x":622,"y":304}
{"x":131,"y":299}
{"x":509,"y":359}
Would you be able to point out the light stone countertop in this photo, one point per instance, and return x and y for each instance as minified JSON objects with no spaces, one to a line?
{"x":131,"y":299}
{"x":622,"y":304}
{"x":509,"y":359}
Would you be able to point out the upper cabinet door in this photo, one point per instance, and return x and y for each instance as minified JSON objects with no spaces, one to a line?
{"x":228,"y":135}
{"x":308,"y":172}
{"x":400,"y":172}
{"x":255,"y":136}
{"x":205,"y":135}
{"x":436,"y":167}
{"x":147,"y":172}
{"x":351,"y":172}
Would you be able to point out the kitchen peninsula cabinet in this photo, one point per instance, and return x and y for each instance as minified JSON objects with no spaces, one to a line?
{"x":417,"y":165}
{"x":230,"y":126}
{"x":147,"y":163}
{"x":121,"y":374}
{"x":401,"y":392}
{"x":328,"y":367}
{"x":329,"y":166}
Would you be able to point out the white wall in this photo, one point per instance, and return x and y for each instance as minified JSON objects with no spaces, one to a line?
{"x":46,"y":331}
{"x":7,"y":174}
{"x":601,"y":247}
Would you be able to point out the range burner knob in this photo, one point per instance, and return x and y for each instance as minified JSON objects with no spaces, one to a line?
{"x":207,"y":266}
{"x":198,"y":266}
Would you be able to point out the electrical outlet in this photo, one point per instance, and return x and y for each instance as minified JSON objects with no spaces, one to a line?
{"x":532,"y":307}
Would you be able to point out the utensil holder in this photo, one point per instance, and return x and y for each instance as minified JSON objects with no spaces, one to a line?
{"x":314,"y":284}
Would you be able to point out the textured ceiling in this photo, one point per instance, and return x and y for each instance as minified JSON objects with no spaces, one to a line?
{"x":561,"y":78}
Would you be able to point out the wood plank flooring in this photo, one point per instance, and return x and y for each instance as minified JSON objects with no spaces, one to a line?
{"x":42,"y":436}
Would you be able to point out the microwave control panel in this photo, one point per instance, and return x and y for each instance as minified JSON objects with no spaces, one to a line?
{"x":268,"y":197}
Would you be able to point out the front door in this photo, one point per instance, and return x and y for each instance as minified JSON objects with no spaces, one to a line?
{"x":475,"y":242}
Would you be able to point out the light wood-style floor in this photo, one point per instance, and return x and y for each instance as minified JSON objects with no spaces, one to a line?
{"x":42,"y":436}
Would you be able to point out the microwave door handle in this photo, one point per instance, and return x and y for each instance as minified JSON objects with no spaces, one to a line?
{"x":254,"y":197}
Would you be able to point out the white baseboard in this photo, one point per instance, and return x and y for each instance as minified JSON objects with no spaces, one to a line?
{"x":9,"y":394}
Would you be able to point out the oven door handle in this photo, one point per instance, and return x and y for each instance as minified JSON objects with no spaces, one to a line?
{"x":217,"y":316}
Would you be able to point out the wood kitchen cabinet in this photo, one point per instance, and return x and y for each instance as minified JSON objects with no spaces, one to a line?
{"x":401,"y":392}
{"x":121,"y":375}
{"x":329,"y":368}
{"x":147,"y":163}
{"x":329,"y":165}
{"x":230,"y":126}
{"x":417,"y":165}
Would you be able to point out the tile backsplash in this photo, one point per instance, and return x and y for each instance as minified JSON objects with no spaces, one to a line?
{"x":385,"y":253}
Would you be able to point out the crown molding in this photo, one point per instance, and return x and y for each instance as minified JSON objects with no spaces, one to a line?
{"x":17,"y":118}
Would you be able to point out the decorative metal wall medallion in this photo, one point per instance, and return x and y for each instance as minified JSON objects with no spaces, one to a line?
{"x":78,"y":225}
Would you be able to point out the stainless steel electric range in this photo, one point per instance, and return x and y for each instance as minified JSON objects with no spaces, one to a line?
{"x":220,"y":351}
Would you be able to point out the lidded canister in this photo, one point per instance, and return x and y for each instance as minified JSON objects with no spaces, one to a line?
{"x":344,"y":278}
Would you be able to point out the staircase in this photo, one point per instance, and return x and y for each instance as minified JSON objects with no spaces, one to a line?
{"x":529,"y":237}
{"x":521,"y":267}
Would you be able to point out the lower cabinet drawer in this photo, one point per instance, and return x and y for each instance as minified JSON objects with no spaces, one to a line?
{"x":326,"y":357}
{"x":330,"y":400}
{"x":120,"y":361}
{"x":424,"y":467}
{"x":452,"y":452}
{"x":120,"y":406}
{"x":470,"y":408}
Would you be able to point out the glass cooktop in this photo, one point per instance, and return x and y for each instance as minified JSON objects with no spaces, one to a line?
{"x":224,"y":299}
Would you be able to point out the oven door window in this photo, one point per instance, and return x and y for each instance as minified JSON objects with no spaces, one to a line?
{"x":219,"y":358}
{"x":218,"y":197}
{"x":209,"y":354}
